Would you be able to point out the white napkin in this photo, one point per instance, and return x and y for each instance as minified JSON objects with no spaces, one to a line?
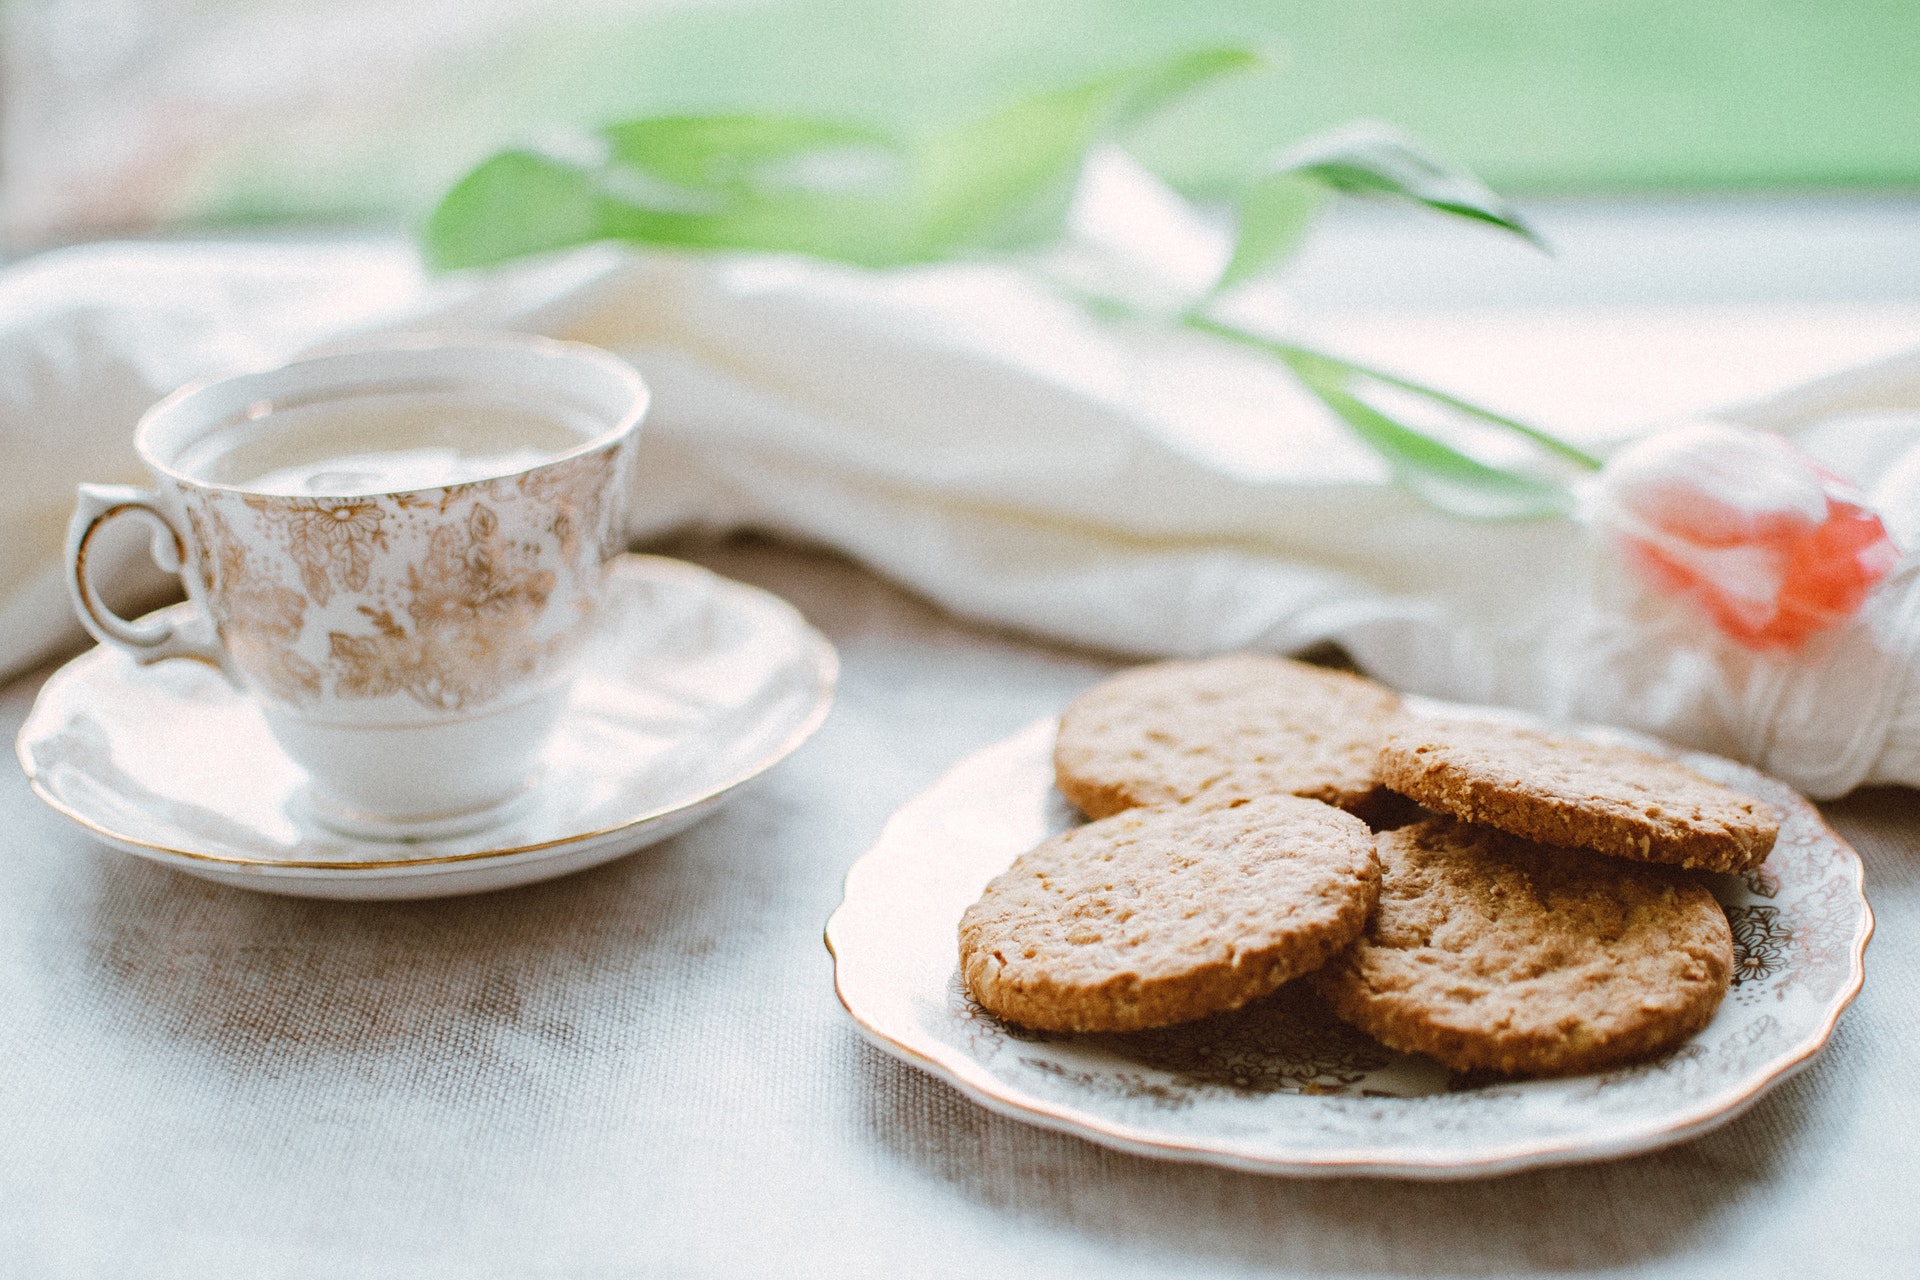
{"x":966,"y":432}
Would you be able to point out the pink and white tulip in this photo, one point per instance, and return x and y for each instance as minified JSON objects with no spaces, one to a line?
{"x":1755,"y":534}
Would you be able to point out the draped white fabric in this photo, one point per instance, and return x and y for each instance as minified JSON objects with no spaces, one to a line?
{"x":967,"y":432}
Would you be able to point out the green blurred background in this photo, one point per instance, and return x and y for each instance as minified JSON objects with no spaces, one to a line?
{"x":1541,"y":96}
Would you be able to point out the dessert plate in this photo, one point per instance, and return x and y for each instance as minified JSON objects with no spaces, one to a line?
{"x":693,"y":685}
{"x":1281,"y":1086}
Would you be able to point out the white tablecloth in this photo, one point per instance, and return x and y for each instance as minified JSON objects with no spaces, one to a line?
{"x":642,"y":1071}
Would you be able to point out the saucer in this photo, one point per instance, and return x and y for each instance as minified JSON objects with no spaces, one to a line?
{"x":693,"y":685}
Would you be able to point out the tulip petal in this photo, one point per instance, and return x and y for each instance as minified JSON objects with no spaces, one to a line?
{"x":1757,"y":537}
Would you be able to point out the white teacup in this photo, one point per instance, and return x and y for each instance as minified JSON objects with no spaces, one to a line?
{"x":397,"y":551}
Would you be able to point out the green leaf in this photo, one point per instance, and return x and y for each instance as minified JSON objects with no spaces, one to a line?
{"x":1006,"y":181}
{"x":1146,"y":89}
{"x":1439,"y":473}
{"x":742,"y":152}
{"x":1370,"y":159}
{"x":1273,"y":216}
{"x":523,"y":202}
{"x":793,"y":185}
{"x":517,"y":202}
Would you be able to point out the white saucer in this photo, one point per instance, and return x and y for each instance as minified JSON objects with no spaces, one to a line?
{"x":695,"y":685}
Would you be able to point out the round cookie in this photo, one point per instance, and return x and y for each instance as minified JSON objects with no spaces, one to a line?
{"x":1224,"y":728}
{"x":1488,"y":951}
{"x":1581,"y":795}
{"x":1161,"y":915}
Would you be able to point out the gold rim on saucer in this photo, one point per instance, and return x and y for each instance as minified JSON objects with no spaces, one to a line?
{"x":807,"y":661}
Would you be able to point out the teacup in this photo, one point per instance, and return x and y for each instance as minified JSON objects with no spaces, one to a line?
{"x":397,"y":551}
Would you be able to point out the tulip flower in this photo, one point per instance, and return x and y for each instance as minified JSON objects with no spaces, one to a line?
{"x":1759,"y":537}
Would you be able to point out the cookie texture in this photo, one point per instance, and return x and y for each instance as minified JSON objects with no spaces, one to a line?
{"x":1160,"y":915}
{"x":1223,"y":729}
{"x":1584,"y":795}
{"x":1491,"y":952}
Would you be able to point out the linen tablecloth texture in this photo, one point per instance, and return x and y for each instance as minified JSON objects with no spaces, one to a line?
{"x":969,"y":434}
{"x":641,"y":1071}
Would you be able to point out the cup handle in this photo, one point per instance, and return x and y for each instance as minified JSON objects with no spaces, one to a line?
{"x":152,"y":639}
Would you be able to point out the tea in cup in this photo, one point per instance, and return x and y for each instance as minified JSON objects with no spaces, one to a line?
{"x":397,"y":552}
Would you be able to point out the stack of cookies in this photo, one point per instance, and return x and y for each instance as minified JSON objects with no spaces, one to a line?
{"x":1537,"y":914}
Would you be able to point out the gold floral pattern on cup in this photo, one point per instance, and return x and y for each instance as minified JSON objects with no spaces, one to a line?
{"x":474,"y":608}
{"x":258,"y":618}
{"x":451,"y":605}
{"x":329,"y":538}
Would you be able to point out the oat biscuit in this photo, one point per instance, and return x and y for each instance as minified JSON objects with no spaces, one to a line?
{"x":1164,"y":914}
{"x":1583,"y":795}
{"x":1223,"y":728}
{"x":1488,"y":951}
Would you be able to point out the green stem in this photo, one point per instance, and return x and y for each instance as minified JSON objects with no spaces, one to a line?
{"x":1297,"y":357}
